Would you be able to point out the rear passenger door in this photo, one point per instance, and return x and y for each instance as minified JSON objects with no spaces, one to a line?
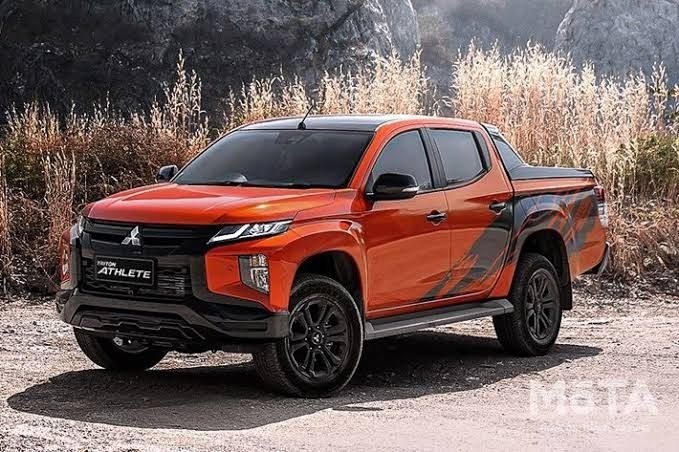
{"x":479,"y":211}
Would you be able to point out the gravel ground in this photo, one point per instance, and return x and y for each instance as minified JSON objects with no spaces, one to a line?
{"x":610,"y":383}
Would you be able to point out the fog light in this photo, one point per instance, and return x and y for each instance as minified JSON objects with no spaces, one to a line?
{"x":254,"y":272}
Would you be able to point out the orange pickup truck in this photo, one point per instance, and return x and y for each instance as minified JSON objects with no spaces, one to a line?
{"x":297,"y":239}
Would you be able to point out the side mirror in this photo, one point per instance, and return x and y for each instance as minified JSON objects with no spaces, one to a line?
{"x":392,"y":186}
{"x":166,"y":173}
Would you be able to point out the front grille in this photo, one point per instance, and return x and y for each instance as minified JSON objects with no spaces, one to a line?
{"x":156,"y":240}
{"x":173,"y":282}
{"x":171,"y":247}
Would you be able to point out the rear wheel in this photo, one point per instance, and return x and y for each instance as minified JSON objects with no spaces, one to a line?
{"x":118,"y":353}
{"x":534,"y":325}
{"x":324,"y":343}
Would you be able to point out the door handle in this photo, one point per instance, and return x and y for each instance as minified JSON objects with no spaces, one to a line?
{"x":498,"y":207}
{"x":437,"y":217}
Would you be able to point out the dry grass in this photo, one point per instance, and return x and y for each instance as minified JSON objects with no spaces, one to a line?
{"x":267,"y":98}
{"x":59,"y":172}
{"x":390,"y":86}
{"x":5,"y":243}
{"x":644,"y":238}
{"x":555,"y":114}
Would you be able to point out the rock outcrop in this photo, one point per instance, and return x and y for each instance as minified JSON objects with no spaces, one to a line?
{"x":619,"y":36}
{"x":59,"y":50}
{"x":450,"y":25}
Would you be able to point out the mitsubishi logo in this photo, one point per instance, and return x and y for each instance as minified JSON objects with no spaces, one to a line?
{"x":132,"y":238}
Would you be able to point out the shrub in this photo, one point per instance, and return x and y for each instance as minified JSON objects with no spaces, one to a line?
{"x":53,"y":166}
{"x":656,"y":173}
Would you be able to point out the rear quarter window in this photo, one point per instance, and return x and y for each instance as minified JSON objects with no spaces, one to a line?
{"x":509,"y":157}
{"x":459,"y":154}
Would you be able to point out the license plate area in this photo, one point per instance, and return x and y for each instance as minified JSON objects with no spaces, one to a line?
{"x":125,"y":270}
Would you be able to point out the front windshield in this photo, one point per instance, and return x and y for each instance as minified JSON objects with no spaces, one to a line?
{"x":279,"y":158}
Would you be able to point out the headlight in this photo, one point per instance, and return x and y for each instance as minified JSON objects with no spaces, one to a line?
{"x":80,"y":223}
{"x":246,"y":231}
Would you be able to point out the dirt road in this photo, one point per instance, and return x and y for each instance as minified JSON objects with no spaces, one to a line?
{"x":611,"y":383}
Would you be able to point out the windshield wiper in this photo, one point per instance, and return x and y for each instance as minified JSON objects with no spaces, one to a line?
{"x":225,"y":183}
{"x":285,"y":184}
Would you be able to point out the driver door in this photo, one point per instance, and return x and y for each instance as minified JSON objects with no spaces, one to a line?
{"x":407,"y":241}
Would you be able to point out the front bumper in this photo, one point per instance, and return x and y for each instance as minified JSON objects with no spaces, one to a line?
{"x":191,"y":326}
{"x":181,"y":312}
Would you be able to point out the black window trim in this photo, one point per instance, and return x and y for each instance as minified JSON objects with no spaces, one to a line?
{"x":434,"y":169}
{"x":487,"y":166}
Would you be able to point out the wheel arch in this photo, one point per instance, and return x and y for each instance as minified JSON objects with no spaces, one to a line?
{"x":332,"y":249}
{"x":550,"y":244}
{"x":340,"y":266}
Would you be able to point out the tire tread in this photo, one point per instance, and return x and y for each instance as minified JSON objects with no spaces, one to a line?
{"x":509,"y":327}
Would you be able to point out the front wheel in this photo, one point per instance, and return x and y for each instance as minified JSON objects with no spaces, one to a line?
{"x":118,"y":354}
{"x":324,"y":343}
{"x":534,"y":325}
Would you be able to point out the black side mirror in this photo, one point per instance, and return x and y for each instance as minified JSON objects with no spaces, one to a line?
{"x":392,"y":186}
{"x":166,"y":173}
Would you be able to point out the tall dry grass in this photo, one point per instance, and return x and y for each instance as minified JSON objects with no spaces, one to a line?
{"x":552,"y":112}
{"x":54,"y":165}
{"x":390,"y":85}
{"x":5,"y":243}
{"x":266,"y":98}
{"x":557,"y":115}
{"x":60,"y":182}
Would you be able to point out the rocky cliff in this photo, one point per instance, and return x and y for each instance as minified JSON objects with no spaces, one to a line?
{"x":623,"y":35}
{"x":450,"y":25}
{"x":63,"y":50}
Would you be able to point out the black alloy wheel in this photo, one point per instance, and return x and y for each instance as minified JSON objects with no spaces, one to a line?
{"x":324,"y":344}
{"x":318,"y":340}
{"x":541,"y":306}
{"x":532,"y":328}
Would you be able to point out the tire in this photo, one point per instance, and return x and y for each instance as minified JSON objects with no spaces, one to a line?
{"x":324,"y":345}
{"x":105,"y":353}
{"x":532,"y":329}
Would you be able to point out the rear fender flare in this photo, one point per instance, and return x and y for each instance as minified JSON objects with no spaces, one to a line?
{"x":532,"y":215}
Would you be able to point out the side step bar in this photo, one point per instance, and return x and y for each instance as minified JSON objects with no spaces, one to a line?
{"x":407,"y":323}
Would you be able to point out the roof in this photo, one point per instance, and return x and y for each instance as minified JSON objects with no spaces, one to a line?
{"x":364,"y":123}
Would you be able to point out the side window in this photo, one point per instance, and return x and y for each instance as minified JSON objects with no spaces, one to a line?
{"x":404,"y":154}
{"x":459,"y":153}
{"x":509,"y":157}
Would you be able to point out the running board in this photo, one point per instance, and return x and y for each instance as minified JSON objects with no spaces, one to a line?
{"x":407,"y":323}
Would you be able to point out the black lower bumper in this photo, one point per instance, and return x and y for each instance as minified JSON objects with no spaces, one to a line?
{"x":195,"y":325}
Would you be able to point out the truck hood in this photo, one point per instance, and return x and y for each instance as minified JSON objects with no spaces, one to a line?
{"x":205,"y":205}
